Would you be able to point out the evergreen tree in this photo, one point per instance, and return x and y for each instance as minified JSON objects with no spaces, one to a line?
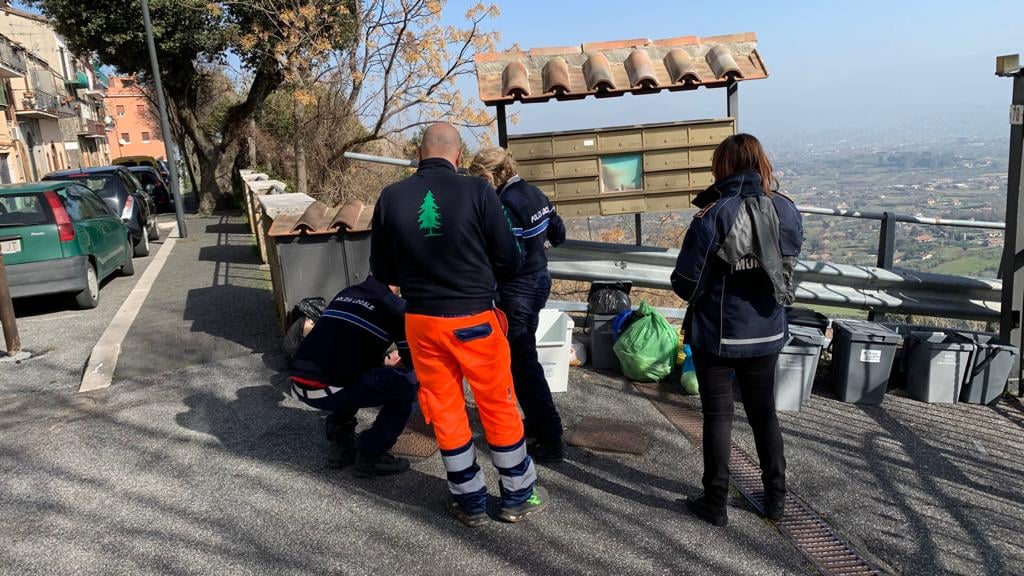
{"x":430,"y":217}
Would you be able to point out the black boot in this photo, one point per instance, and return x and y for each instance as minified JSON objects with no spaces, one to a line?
{"x":546,"y":451}
{"x":774,"y":508}
{"x":369,"y":465}
{"x":711,"y":512}
{"x":341,"y":452}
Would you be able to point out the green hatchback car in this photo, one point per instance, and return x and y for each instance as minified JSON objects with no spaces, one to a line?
{"x":60,"y":238}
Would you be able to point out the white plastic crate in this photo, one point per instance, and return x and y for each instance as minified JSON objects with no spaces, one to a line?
{"x":554,"y":343}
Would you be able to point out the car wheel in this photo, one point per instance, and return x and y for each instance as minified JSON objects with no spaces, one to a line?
{"x":128,"y":268}
{"x":142,"y":246}
{"x":90,"y":296}
{"x":153,"y":230}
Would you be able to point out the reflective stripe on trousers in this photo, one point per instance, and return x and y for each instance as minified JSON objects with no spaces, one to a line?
{"x":516,"y":470}
{"x":465,"y":479}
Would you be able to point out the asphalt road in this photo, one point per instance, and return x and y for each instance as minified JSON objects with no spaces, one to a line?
{"x":61,"y":337}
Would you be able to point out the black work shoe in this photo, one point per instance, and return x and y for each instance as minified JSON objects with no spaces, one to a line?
{"x":341,"y":452}
{"x":774,"y":509}
{"x":535,"y":503}
{"x":702,"y":507}
{"x":544,"y":452}
{"x":475,"y":520}
{"x":369,"y":465}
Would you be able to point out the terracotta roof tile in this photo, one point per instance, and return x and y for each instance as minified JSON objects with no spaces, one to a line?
{"x":319,"y":218}
{"x":618,"y":67}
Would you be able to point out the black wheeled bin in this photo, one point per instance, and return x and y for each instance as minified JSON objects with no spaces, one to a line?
{"x":862,"y":355}
{"x":936,"y":365}
{"x":602,"y":357}
{"x":796,"y":367}
{"x":993,"y":361}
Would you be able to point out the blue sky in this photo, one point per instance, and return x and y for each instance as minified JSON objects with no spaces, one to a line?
{"x":841,"y":67}
{"x":846,"y":65}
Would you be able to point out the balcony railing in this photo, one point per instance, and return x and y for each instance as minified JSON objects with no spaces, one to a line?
{"x":88,"y":127}
{"x":38,"y":103}
{"x":102,"y":80}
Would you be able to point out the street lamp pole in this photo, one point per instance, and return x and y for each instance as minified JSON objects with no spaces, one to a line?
{"x":165,"y":125}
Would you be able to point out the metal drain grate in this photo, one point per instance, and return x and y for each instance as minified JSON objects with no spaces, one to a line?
{"x":608,"y":435}
{"x":808,"y":531}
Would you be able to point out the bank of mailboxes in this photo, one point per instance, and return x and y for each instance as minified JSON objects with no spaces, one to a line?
{"x":605,"y":171}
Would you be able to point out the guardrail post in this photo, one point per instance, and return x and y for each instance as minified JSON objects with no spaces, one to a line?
{"x":1012,"y":266}
{"x":886,"y":250}
{"x":639,"y":229}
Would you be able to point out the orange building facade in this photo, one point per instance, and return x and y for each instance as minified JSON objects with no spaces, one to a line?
{"x":134,"y":128}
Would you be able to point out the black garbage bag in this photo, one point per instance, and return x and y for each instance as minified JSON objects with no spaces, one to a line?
{"x":302,"y":319}
{"x":609,"y":298}
{"x":807,"y":318}
{"x":311,"y":308}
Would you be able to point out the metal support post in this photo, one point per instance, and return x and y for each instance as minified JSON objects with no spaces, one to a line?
{"x":1012,"y":268}
{"x":502,"y":127}
{"x":886,"y":249}
{"x":7,"y":319}
{"x":165,"y":125}
{"x":639,"y":229}
{"x":886,"y":240}
{"x":732,"y":103}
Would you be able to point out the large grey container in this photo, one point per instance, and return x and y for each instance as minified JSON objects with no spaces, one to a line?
{"x":796,"y":367}
{"x":320,"y":265}
{"x":862,"y":355}
{"x":602,"y":357}
{"x":993,"y":361}
{"x":936,"y":365}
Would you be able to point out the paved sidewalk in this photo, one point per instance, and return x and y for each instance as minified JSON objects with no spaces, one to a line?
{"x":211,"y":302}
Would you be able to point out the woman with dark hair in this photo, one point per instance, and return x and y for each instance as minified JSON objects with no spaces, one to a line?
{"x":735,"y":272}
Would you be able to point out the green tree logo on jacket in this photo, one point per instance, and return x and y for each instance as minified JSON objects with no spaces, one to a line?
{"x":430,"y":216}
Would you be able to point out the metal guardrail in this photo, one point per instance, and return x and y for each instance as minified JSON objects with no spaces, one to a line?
{"x":879,"y":289}
{"x":862,"y":287}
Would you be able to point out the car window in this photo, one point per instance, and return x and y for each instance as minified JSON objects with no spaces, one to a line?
{"x":99,"y":207}
{"x":22,"y":210}
{"x":131,"y":182}
{"x":106,"y":185}
{"x":78,"y":208}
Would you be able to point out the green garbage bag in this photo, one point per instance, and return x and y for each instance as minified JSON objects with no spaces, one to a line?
{"x":648,"y":348}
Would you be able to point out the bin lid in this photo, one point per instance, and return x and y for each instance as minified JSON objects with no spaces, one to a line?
{"x":935,"y":340}
{"x":807,"y":334}
{"x":864,"y":331}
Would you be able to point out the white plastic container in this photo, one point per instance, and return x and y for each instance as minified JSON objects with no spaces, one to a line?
{"x":554,"y":343}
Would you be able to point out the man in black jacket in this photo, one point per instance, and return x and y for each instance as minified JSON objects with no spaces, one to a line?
{"x":445,"y":240}
{"x":343,"y":365}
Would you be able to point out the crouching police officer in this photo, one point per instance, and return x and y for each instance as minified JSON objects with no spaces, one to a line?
{"x":341,"y":367}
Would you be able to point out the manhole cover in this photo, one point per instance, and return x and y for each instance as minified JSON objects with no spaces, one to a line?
{"x":608,"y":435}
{"x":417,"y":440}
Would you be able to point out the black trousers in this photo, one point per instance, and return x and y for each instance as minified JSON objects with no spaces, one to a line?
{"x":522,"y":299}
{"x":756,"y":380}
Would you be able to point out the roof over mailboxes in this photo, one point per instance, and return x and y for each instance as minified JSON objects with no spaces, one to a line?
{"x":617,"y":68}
{"x":319,"y":218}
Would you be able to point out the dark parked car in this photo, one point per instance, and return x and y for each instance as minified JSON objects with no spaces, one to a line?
{"x":124,"y":195}
{"x":155,"y":185}
{"x":61,"y":238}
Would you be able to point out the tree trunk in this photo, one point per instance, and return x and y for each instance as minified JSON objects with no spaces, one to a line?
{"x":299,"y":142}
{"x":215,"y":179}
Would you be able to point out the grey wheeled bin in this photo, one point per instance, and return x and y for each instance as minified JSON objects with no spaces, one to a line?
{"x":993,"y":360}
{"x":796,"y":367}
{"x":862,"y":355}
{"x":936,"y":365}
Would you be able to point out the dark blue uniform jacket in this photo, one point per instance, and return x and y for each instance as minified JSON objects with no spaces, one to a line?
{"x":533,"y":220}
{"x":445,"y":239}
{"x":352,"y":336}
{"x":732,"y":310}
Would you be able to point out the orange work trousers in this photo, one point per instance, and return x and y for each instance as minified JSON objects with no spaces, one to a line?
{"x":446,"y":350}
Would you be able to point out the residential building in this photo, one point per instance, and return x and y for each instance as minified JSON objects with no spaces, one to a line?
{"x":135,"y":126}
{"x":77,"y":84}
{"x":12,"y":65}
